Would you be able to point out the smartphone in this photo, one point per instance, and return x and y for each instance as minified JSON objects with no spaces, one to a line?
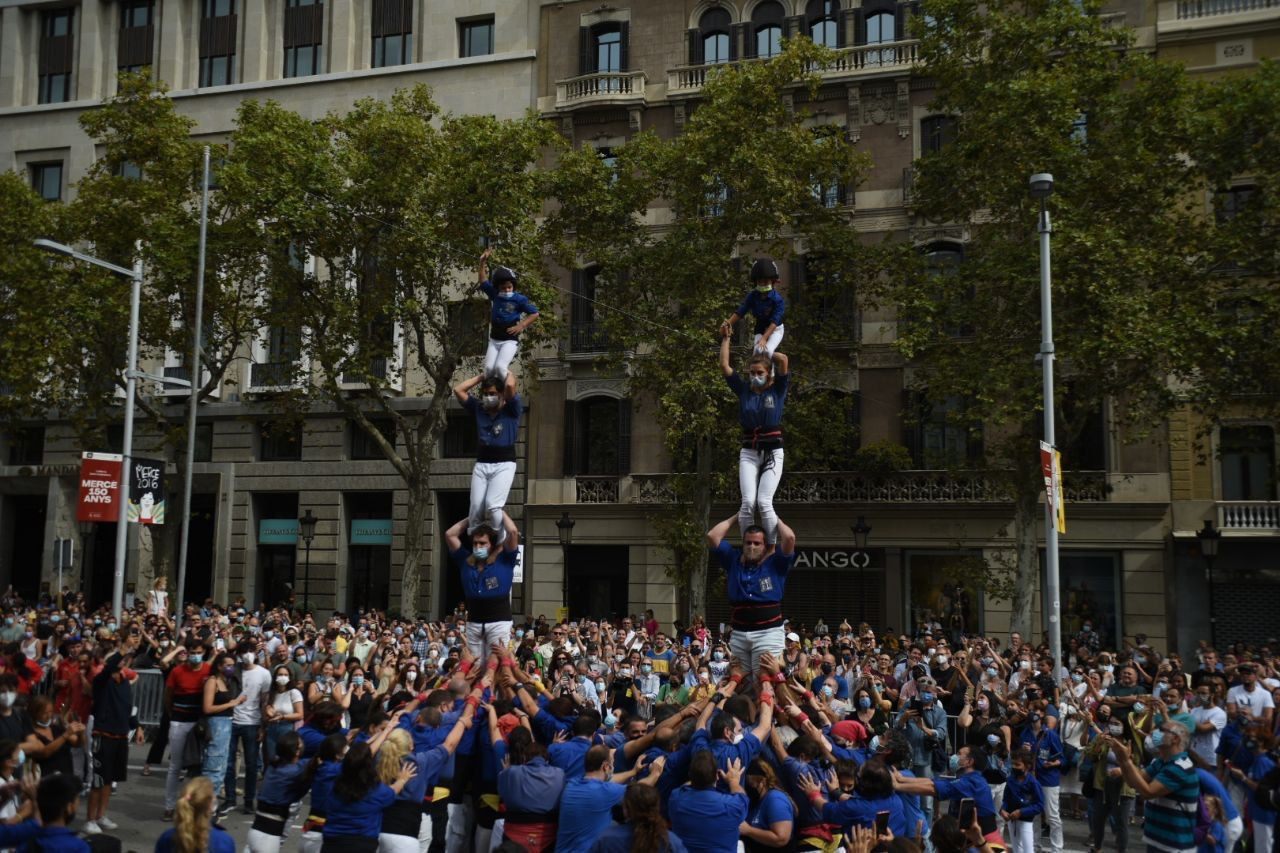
{"x":882,"y":823}
{"x":966,"y":813}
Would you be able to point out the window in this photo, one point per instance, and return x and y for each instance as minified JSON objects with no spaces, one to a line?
{"x":586,"y":333}
{"x":603,"y":48}
{"x":822,"y":20}
{"x":279,"y":442}
{"x":136,"y":37}
{"x":597,"y":437}
{"x":610,"y":161}
{"x":377,"y":339}
{"x":459,"y":435}
{"x":303,"y":38}
{"x":1231,"y":202}
{"x":825,"y":301}
{"x":217,"y":42}
{"x":935,"y":132}
{"x":475,"y":38}
{"x":26,"y":446}
{"x":880,"y":27}
{"x":466,"y":318}
{"x":128,"y":170}
{"x":766,"y":29}
{"x":1247,"y":462}
{"x":1081,"y":434}
{"x":716,"y":200}
{"x":709,"y":43}
{"x":204,"y":443}
{"x":942,"y":261}
{"x":57,"y":56}
{"x":363,"y":445}
{"x":46,"y":180}
{"x":941,"y":435}
{"x":392,"y":32}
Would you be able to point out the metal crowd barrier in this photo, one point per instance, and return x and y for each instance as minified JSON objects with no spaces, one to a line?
{"x":148,"y":694}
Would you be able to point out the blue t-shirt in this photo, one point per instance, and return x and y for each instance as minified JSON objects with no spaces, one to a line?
{"x":322,"y":786}
{"x":429,"y":764}
{"x":1046,"y":746}
{"x":762,"y":410}
{"x":219,"y":842}
{"x":621,"y":839}
{"x":283,"y":785}
{"x":1264,"y":815}
{"x":767,"y":307}
{"x":792,"y":770}
{"x":1024,"y":795}
{"x":505,"y":311}
{"x":857,"y":811}
{"x":1209,"y":784}
{"x":312,"y":738}
{"x":773,"y":807}
{"x":498,"y":428}
{"x":359,"y":817}
{"x":585,"y":808}
{"x":494,"y":581}
{"x":971,"y":785}
{"x":570,"y":756}
{"x":707,"y":820}
{"x":533,"y":787}
{"x":744,"y":750}
{"x":759,"y":584}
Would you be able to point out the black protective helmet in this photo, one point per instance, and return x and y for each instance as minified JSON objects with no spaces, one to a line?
{"x":502,"y":274}
{"x":764,"y":268}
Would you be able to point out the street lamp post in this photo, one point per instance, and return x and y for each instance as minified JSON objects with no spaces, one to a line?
{"x":565,"y":528}
{"x":1041,"y":187}
{"x":861,"y":559}
{"x":307,"y":530}
{"x":1210,"y":538}
{"x":130,"y":383}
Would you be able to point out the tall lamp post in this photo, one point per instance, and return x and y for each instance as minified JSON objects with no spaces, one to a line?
{"x":565,"y":528}
{"x":130,"y":380}
{"x":307,"y":530}
{"x":861,"y":559}
{"x":1041,"y":187}
{"x":1209,"y":539}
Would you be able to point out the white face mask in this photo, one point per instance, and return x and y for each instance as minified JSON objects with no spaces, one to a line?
{"x":411,"y":675}
{"x":7,"y":698}
{"x":282,"y":680}
{"x":737,"y":738}
{"x":490,"y":401}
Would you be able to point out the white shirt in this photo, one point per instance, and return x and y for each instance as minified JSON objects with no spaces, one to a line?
{"x":284,"y":701}
{"x":254,"y":683}
{"x":1251,"y":703}
{"x":1205,"y":744}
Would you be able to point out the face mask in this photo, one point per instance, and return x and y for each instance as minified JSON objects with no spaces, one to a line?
{"x":758,"y":381}
{"x":618,"y":658}
{"x":490,"y":401}
{"x":993,"y":740}
{"x":1106,"y":667}
{"x":519,"y":635}
{"x":196,"y":660}
{"x":983,"y":704}
{"x":7,"y":699}
{"x":763,"y":288}
{"x":28,"y":634}
{"x":268,"y":633}
{"x":865,"y":703}
{"x":22,"y":758}
{"x":737,"y":738}
{"x":1154,"y":740}
{"x":1138,"y":707}
{"x":991,"y":672}
{"x":481,"y":553}
{"x":717,"y":655}
{"x":282,"y":680}
{"x":357,"y":680}
{"x":610,"y":721}
{"x":411,"y":675}
{"x":954,"y":764}
{"x":247,"y":658}
{"x":600,"y":686}
{"x":1077,"y":677}
{"x":1116,"y":729}
{"x":506,"y":294}
{"x":1206,"y":701}
{"x":55,"y":618}
{"x":1139,"y":660}
{"x":229,"y":670}
{"x":944,"y":662}
{"x":1088,"y":628}
{"x":926,"y":698}
{"x":624,"y":673}
{"x":827,"y":691}
{"x":44,"y":724}
{"x":1026,"y":664}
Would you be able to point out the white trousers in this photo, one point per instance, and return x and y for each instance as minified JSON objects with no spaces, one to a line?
{"x":758,"y":474}
{"x":768,"y":347}
{"x":1022,"y":836}
{"x":1262,"y":837}
{"x":997,"y":797}
{"x":495,"y":841}
{"x":311,"y":842}
{"x":262,"y":842}
{"x":1053,"y":816}
{"x":480,"y":636}
{"x":498,"y":357}
{"x":490,"y":485}
{"x":388,"y":843}
{"x":1235,"y":829}
{"x":749,"y":646}
{"x":461,"y":820}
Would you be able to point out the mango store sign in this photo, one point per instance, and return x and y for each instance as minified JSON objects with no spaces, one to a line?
{"x":277,"y":531}
{"x":370,"y":531}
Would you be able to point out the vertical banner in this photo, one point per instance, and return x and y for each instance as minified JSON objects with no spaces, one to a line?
{"x":146,"y":491}
{"x":99,"y":487}
{"x":1051,"y":466}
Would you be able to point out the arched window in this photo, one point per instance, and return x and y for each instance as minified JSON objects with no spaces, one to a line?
{"x":821,"y":18}
{"x":607,"y":47}
{"x":713,"y":31}
{"x":881,"y":28}
{"x":766,"y":29}
{"x":943,"y":260}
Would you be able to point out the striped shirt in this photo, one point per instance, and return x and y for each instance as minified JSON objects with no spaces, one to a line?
{"x":1171,"y":819}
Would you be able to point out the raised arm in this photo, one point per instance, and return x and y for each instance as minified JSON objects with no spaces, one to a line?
{"x":482,"y":269}
{"x":453,"y":536}
{"x":513,"y":534}
{"x":716,"y":534}
{"x":781,"y":364}
{"x":786,"y":539}
{"x":462,"y":390}
{"x":509,"y":389}
{"x":726,"y":365}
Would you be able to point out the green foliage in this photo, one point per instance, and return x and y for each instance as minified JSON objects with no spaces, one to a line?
{"x":881,"y":457}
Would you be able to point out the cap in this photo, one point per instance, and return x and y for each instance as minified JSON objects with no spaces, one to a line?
{"x":850,"y":730}
{"x":793,"y":637}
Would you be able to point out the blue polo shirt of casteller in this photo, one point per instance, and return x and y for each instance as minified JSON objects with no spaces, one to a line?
{"x":766,"y":307}
{"x":496,"y":431}
{"x":971,"y":785}
{"x":858,"y":811}
{"x":752,"y":586}
{"x":760,"y":412}
{"x":1046,"y":746}
{"x":570,"y":756}
{"x":505,"y":310}
{"x":361,"y":817}
{"x":586,"y":811}
{"x":708,"y":820}
{"x":725,"y":752}
{"x":488,"y":588}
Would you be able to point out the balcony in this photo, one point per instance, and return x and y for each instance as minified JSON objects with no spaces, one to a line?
{"x":377,"y":371}
{"x":1249,"y":516}
{"x":605,"y":88}
{"x":596,"y":490}
{"x":587,"y":338}
{"x":851,"y":63}
{"x":272,"y":376}
{"x":1179,"y":19}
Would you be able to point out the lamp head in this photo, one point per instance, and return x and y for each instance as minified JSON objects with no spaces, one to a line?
{"x":1041,"y":185}
{"x":51,"y":246}
{"x":307,"y":526}
{"x":565,"y":528}
{"x":861,"y":531}
{"x":1209,"y":538}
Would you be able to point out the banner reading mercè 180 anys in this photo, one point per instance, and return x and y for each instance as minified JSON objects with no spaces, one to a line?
{"x":99,"y":487}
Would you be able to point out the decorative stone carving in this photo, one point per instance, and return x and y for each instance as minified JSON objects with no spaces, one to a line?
{"x":579,"y":388}
{"x":853,"y":114}
{"x":904,"y":107}
{"x":566,"y":126}
{"x":679,"y":115}
{"x":634,"y":115}
{"x":879,"y":107}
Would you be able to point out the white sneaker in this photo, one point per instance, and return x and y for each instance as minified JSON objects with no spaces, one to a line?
{"x":107,"y":823}
{"x":91,"y":827}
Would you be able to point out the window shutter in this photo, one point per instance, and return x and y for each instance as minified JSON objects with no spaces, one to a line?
{"x":795,"y":271}
{"x":624,"y":51}
{"x":693,"y":40}
{"x":855,"y":422}
{"x":624,"y":437}
{"x":844,"y":26}
{"x":901,"y":13}
{"x":584,"y":51}
{"x":794,"y":26}
{"x":748,"y":34}
{"x":571,"y":441}
{"x":859,"y":26}
{"x":736,"y":34}
{"x":577,"y":311}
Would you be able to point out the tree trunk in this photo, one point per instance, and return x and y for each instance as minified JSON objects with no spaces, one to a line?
{"x":1026,"y":508}
{"x":416,"y":542}
{"x":702,"y":506}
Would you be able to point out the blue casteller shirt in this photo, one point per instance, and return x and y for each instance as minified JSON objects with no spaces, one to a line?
{"x":488,"y":591}
{"x":1264,"y":815}
{"x":531,"y":788}
{"x":773,"y":807}
{"x":359,"y":817}
{"x":971,"y":785}
{"x":621,"y":839}
{"x":219,"y":842}
{"x":744,"y":751}
{"x":283,"y":785}
{"x":1046,"y":746}
{"x":429,"y":764}
{"x":760,"y":410}
{"x":1209,"y":784}
{"x":1025,"y":795}
{"x":759,"y":584}
{"x":767,"y":307}
{"x":505,"y":311}
{"x":858,"y":811}
{"x":313,"y":737}
{"x":570,"y":756}
{"x":498,"y":428}
{"x":322,"y":787}
{"x":585,"y":808}
{"x":707,"y":820}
